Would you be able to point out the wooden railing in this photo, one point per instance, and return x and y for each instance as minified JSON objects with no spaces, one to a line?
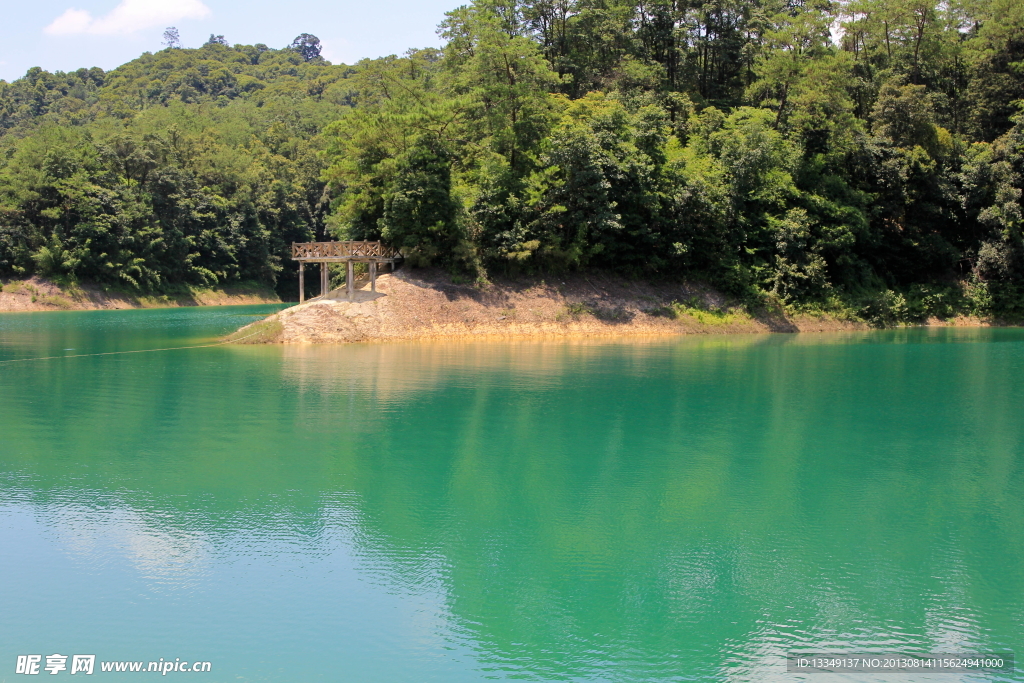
{"x":343,"y":251}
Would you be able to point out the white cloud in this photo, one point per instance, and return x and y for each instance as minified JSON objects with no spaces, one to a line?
{"x":71,"y":22}
{"x":338,"y":52}
{"x":127,"y":17}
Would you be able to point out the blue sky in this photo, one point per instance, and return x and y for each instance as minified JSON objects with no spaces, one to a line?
{"x":68,"y":34}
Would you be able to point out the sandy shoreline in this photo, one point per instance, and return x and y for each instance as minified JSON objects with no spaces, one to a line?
{"x":38,"y":294}
{"x":425,"y":305}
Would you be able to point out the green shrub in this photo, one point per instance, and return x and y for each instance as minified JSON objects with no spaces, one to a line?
{"x":887,"y":309}
{"x":933,"y":301}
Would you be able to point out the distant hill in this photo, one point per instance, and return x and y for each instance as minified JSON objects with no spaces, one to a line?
{"x":213,"y":73}
{"x":187,"y":166}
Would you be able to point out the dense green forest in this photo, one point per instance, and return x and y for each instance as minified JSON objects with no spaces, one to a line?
{"x":862,"y":156}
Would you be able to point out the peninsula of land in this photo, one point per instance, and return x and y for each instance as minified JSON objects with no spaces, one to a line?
{"x":424,"y":304}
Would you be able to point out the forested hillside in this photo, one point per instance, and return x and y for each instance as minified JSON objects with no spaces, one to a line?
{"x":863,"y":156}
{"x":182,"y":167}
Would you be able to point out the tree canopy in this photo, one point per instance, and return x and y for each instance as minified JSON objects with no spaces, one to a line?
{"x":181,"y":167}
{"x":864,"y":153}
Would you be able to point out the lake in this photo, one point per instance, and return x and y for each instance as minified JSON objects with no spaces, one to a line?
{"x":649,"y":510}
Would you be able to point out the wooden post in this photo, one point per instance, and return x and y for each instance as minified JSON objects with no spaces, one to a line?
{"x":370,"y":253}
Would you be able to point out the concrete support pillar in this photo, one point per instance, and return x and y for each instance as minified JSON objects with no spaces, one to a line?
{"x":373,"y":276}
{"x":302,"y":282}
{"x":324,"y":279}
{"x":350,"y":285}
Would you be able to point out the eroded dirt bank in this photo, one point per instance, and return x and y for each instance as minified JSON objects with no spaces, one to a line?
{"x":38,"y":294}
{"x":425,"y":304}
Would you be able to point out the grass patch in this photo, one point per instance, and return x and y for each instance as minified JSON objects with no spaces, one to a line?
{"x":261,"y":332}
{"x":578,"y":308}
{"x":156,"y":301}
{"x":612,"y":315}
{"x":715,"y":316}
{"x":61,"y":300}
{"x":575,"y":310}
{"x":69,"y":286}
{"x":834,"y":308}
{"x":695,"y":309}
{"x":57,"y":300}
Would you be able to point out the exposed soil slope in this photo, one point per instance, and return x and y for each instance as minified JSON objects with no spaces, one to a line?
{"x":425,"y":304}
{"x":38,"y":294}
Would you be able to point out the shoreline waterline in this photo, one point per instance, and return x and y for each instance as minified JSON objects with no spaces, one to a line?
{"x":40,"y":295}
{"x":425,"y":307}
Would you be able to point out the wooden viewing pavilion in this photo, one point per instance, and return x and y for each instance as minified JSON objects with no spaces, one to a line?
{"x":350,"y":253}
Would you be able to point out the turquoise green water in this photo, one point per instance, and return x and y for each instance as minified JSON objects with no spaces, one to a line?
{"x":650,"y":511}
